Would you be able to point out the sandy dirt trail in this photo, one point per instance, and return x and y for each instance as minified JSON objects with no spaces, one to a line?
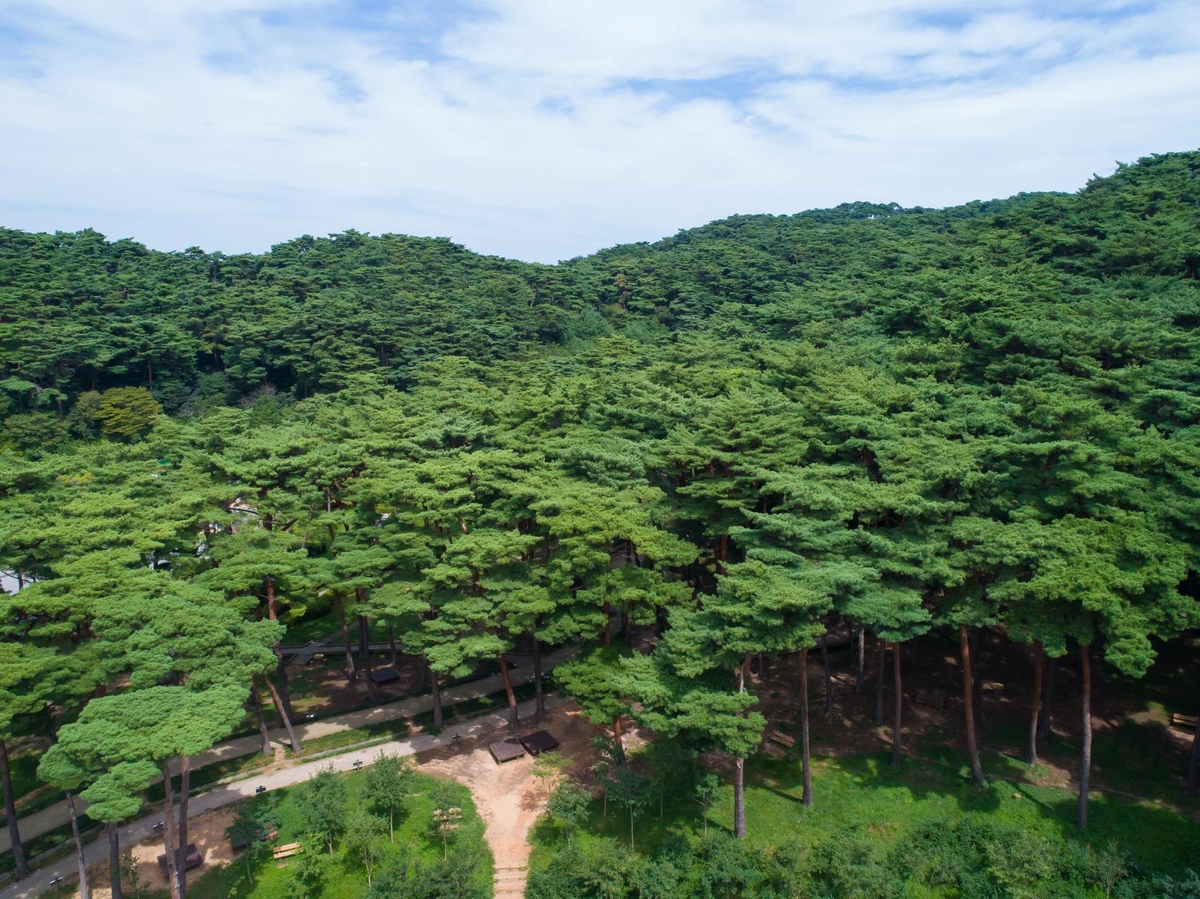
{"x":510,"y":797}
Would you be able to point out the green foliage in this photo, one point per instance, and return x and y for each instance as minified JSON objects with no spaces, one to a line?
{"x":388,"y":785}
{"x":461,"y":876}
{"x":127,"y":411}
{"x":254,"y":821}
{"x":678,"y":455}
{"x":321,"y":802}
{"x":568,"y":806}
{"x":364,"y":839}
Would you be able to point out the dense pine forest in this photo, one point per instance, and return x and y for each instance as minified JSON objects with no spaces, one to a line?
{"x":975,"y":423}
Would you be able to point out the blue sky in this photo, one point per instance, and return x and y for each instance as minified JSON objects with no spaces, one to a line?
{"x":544,"y":130}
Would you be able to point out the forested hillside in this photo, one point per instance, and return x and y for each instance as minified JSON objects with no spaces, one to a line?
{"x":985,"y":417}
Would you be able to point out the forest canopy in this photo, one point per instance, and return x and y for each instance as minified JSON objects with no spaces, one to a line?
{"x":899,"y":418}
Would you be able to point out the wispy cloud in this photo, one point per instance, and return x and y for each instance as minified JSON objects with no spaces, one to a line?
{"x":545,"y":129}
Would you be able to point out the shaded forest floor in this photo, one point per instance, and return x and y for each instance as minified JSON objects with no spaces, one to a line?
{"x":1136,"y":753}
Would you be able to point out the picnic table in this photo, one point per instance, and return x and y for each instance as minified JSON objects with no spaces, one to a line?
{"x":287,"y":850}
{"x":192,"y":859}
{"x":933,"y":698}
{"x":385,"y":675}
{"x":781,"y":738}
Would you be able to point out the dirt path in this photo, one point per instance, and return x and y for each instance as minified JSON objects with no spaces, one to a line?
{"x":510,"y":798}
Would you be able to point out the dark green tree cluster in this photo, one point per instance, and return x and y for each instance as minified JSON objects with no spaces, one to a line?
{"x":968,"y":855}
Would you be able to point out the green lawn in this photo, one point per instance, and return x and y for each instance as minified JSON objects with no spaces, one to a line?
{"x":866,"y":794}
{"x":344,"y":877}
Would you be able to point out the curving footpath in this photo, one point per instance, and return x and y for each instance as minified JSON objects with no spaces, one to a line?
{"x":55,"y":816}
{"x":142,"y":829}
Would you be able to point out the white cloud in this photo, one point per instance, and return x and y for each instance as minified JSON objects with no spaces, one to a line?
{"x":544,"y":129}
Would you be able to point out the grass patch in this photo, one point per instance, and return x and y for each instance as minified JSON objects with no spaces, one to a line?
{"x":866,"y":794}
{"x":209,"y":775}
{"x":59,"y":838}
{"x":343,"y":876}
{"x":384,"y":730}
{"x":480,"y":705}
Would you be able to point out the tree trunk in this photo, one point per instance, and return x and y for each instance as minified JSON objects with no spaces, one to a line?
{"x":828,"y":679}
{"x":1031,"y":755}
{"x":806,"y":800}
{"x":617,"y":740}
{"x":1085,"y":773}
{"x":739,"y":767}
{"x":83,"y":884}
{"x":539,"y":693}
{"x":739,"y":798}
{"x":283,"y":715}
{"x":899,"y":703}
{"x":508,"y":690}
{"x":263,"y":733}
{"x":272,"y":614}
{"x":185,"y":778}
{"x":1044,"y":723}
{"x":391,"y":645}
{"x":978,"y":649}
{"x":10,"y":809}
{"x":114,"y":859}
{"x":969,"y":707}
{"x":173,"y":859}
{"x":437,"y":699}
{"x":285,"y":692}
{"x":879,"y":683}
{"x":364,"y":637}
{"x":1194,"y":760}
{"x":860,"y":652}
{"x":351,"y":673}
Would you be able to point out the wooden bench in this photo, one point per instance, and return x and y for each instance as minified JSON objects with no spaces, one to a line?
{"x":287,"y":850}
{"x":934,"y":698}
{"x":781,"y":738}
{"x":1179,"y":719}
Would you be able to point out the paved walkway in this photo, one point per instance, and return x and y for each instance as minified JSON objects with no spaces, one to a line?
{"x":142,"y":829}
{"x":55,"y":816}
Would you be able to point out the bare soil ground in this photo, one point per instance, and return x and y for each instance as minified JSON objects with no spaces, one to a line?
{"x":510,"y":797}
{"x":207,"y":831}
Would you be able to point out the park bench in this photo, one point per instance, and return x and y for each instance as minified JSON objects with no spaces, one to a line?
{"x":1179,"y":719}
{"x":934,"y":698}
{"x":287,"y":850}
{"x":781,"y":738}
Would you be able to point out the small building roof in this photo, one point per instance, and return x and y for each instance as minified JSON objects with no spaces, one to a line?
{"x":506,"y":750}
{"x":385,"y":675}
{"x":539,"y":742}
